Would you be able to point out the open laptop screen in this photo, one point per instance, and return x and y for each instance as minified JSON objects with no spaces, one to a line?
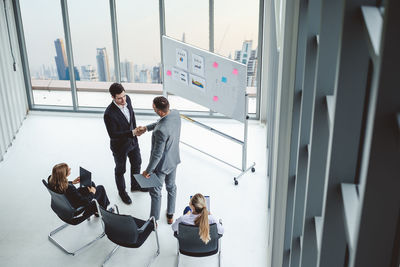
{"x":85,"y":177}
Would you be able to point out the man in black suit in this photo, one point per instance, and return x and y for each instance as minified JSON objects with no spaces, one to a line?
{"x":120,"y":122}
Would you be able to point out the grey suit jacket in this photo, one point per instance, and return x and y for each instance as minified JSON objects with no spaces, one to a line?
{"x":164,"y":155}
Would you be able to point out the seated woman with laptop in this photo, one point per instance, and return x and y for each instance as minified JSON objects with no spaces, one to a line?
{"x":58,"y":182}
{"x":198,"y":214}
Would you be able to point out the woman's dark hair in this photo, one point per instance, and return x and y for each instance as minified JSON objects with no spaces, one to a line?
{"x":116,"y":89}
{"x":161,"y":103}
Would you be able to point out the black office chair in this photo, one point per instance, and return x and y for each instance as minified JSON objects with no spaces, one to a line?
{"x":190,"y":244}
{"x":71,"y":216}
{"x":127,"y":231}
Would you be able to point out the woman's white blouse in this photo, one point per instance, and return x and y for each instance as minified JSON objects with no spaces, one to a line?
{"x":190,"y":218}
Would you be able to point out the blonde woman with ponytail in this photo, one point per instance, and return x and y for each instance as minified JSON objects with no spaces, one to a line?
{"x":197,"y":214}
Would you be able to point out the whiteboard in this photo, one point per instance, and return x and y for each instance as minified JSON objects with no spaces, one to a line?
{"x":208,"y":79}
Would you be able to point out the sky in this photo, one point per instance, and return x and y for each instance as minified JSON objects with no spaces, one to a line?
{"x":138,"y":28}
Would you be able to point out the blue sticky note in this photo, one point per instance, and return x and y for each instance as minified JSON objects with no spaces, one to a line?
{"x":224,"y":79}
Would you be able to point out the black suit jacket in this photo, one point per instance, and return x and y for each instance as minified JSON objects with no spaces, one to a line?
{"x":119,"y":129}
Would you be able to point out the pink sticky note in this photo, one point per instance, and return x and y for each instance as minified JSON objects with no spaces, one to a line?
{"x":215,"y":65}
{"x":215,"y":98}
{"x":235,"y":71}
{"x":169,"y":73}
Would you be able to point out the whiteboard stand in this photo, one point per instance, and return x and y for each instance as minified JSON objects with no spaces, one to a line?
{"x":243,"y":143}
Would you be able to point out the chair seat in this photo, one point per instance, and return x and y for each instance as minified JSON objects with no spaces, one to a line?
{"x":190,"y":244}
{"x":141,"y":238}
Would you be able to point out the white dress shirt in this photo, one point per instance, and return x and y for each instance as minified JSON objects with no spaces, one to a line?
{"x":124,"y":109}
{"x":190,"y":218}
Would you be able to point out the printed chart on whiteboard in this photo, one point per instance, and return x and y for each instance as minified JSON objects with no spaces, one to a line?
{"x":208,"y":79}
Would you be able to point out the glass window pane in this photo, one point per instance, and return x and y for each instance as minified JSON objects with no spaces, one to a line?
{"x":139,"y":48}
{"x":236,"y":37}
{"x":45,"y":47}
{"x":188,"y":21}
{"x":90,"y":24}
{"x":139,"y":41}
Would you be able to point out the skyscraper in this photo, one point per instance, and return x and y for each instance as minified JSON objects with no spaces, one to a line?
{"x":244,"y":55}
{"x":103,"y":68}
{"x":249,"y":57}
{"x":127,"y":74}
{"x":88,"y":73}
{"x":252,"y":69}
{"x":76,"y":72}
{"x":156,"y":74}
{"x":61,"y":59}
{"x":144,"y":76}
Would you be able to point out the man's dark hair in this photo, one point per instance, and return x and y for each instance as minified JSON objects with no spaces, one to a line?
{"x":161,"y":103}
{"x":116,"y":89}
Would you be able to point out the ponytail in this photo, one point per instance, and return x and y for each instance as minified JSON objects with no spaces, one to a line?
{"x":202,"y":220}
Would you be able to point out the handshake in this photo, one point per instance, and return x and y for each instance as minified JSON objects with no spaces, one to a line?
{"x":138,"y":131}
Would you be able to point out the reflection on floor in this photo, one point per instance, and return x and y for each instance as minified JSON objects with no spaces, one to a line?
{"x":81,"y":140}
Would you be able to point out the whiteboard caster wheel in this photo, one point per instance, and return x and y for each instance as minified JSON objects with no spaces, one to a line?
{"x":253,"y":169}
{"x":236,"y":181}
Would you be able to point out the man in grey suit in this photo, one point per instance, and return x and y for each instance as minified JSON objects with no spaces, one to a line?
{"x":164,"y":156}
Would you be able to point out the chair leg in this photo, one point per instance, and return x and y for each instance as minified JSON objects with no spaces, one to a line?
{"x":177,"y":259}
{"x":110,"y":255}
{"x":73,"y":253}
{"x":219,"y":252}
{"x":158,"y":248}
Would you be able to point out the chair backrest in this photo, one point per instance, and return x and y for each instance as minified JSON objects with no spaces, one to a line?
{"x":120,"y":229}
{"x":60,"y":205}
{"x":191,"y":244}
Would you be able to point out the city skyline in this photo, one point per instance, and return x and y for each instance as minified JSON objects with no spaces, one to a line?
{"x":130,"y":72}
{"x":138,"y":28}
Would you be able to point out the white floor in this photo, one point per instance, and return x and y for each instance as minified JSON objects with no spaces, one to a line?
{"x":81,"y":140}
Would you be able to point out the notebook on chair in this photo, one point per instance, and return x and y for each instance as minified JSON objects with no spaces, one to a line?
{"x":85,"y":177}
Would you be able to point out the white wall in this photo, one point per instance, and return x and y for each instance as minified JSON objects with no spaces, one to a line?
{"x":282,"y":93}
{"x":13,"y":101}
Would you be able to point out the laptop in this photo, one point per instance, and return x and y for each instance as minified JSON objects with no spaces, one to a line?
{"x":85,"y":177}
{"x":207,"y":202}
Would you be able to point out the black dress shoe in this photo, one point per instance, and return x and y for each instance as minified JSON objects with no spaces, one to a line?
{"x":125,"y":197}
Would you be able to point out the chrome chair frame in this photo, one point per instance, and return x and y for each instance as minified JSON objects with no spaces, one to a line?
{"x":73,"y":253}
{"x":141,"y":229}
{"x":52,"y":233}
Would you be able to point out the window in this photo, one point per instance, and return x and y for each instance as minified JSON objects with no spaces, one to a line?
{"x":93,"y":51}
{"x":46,"y":50}
{"x":236,"y":37}
{"x":188,"y":21}
{"x":138,"y":34}
{"x":139,"y":49}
